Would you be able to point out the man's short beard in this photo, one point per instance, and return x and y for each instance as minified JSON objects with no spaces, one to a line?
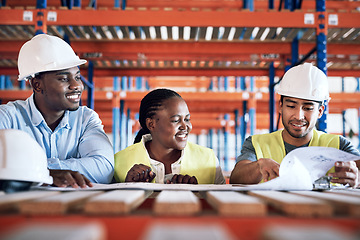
{"x":298,"y":136}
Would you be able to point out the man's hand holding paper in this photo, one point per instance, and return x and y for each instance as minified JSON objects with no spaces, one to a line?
{"x":346,"y":173}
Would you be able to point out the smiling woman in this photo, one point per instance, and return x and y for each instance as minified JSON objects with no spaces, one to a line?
{"x":161,"y":152}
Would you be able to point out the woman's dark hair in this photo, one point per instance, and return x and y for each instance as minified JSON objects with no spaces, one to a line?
{"x":151,"y":103}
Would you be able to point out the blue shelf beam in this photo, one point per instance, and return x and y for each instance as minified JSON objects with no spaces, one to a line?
{"x":116,"y":117}
{"x":122,"y":125}
{"x":272,"y":97}
{"x":210,"y":138}
{"x":321,"y":53}
{"x":226,"y":141}
{"x":237,"y":133}
{"x":90,"y":85}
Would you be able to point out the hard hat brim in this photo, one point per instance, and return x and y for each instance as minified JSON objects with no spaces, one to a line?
{"x":55,"y":68}
{"x":17,"y":175}
{"x":297,"y":95}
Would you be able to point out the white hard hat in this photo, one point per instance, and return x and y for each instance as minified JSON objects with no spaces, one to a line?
{"x":305,"y":81}
{"x":45,"y":53}
{"x":22,"y":158}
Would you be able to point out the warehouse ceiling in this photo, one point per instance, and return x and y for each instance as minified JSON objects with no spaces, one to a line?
{"x":188,"y":38}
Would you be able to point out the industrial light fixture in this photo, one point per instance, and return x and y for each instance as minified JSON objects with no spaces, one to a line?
{"x":187,"y":32}
{"x":152,"y":32}
{"x":231,"y":33}
{"x":209,"y":32}
{"x":163,"y":31}
{"x":175,"y":33}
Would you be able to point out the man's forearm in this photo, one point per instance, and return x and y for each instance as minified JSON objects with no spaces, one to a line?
{"x":98,"y":169}
{"x":246,"y":172}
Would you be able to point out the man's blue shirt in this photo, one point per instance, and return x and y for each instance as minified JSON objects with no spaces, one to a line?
{"x":78,"y":143}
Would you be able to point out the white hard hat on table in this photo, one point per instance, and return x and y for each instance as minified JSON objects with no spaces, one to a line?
{"x":305,"y":81}
{"x":22,"y":158}
{"x":45,"y":53}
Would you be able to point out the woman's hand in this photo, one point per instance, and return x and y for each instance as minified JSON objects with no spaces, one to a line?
{"x":185,"y":179}
{"x":140,"y":173}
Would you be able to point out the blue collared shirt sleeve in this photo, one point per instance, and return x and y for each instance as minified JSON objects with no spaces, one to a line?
{"x":78,"y":143}
{"x":94,"y":157}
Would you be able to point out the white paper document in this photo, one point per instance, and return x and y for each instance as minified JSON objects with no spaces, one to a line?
{"x":302,"y":167}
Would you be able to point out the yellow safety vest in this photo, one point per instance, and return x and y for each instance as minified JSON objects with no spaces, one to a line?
{"x":197,"y":161}
{"x":271,"y":145}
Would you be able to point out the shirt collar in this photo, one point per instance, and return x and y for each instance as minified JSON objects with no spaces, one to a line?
{"x":65,"y":121}
{"x":36,"y":117}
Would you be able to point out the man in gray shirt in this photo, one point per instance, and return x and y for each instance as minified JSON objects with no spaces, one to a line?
{"x":303,"y":90}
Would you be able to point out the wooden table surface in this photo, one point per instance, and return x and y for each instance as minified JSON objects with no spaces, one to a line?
{"x":138,"y":214}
